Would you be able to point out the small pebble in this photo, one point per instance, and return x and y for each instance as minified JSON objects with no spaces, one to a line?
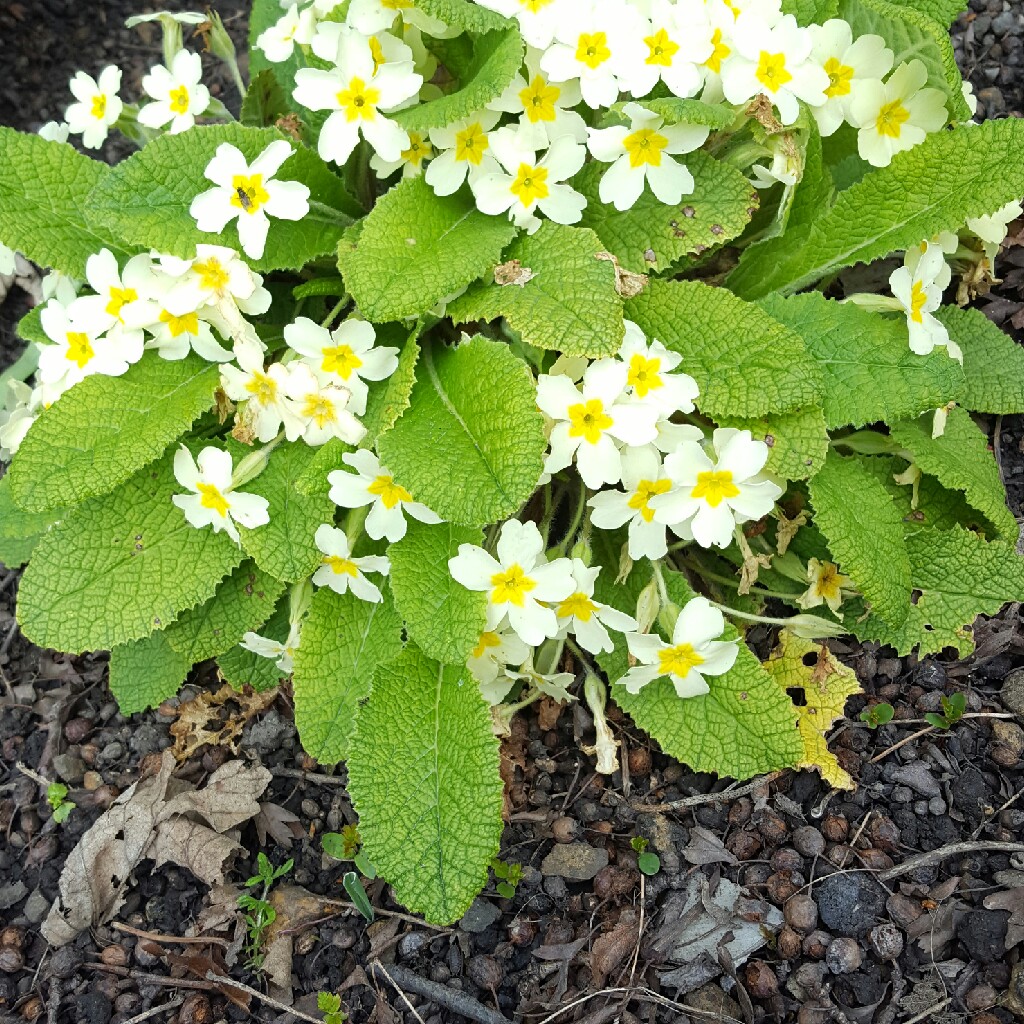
{"x":843,"y":956}
{"x":809,"y":841}
{"x":886,"y":940}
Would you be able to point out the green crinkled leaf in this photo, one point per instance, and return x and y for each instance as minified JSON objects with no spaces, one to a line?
{"x":811,"y":12}
{"x":146,"y":672}
{"x":471,"y":444}
{"x":423,"y":774}
{"x":569,"y":305}
{"x":242,"y":668}
{"x":797,"y":441}
{"x":121,"y":566}
{"x":105,"y":428}
{"x":441,"y":616}
{"x":30,"y":327}
{"x":993,"y":362}
{"x":497,"y":56}
{"x":328,"y":457}
{"x":285,"y":547}
{"x":45,"y":211}
{"x":934,"y":187}
{"x":745,"y":362}
{"x":20,"y":530}
{"x":463,"y":14}
{"x":388,"y":399}
{"x":344,"y":642}
{"x":943,"y":11}
{"x":265,"y":101}
{"x":871,"y":375}
{"x":718,"y":210}
{"x":417,"y":247}
{"x":864,"y":531}
{"x":242,"y":602}
{"x":960,"y":459}
{"x":957,"y":576}
{"x":686,"y":111}
{"x":146,"y":198}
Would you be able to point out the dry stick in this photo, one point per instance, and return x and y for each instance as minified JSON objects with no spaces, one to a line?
{"x":156,"y":979}
{"x":397,"y":988}
{"x":265,"y":999}
{"x":922,"y":860}
{"x":707,"y":798}
{"x":186,"y":940}
{"x":903,"y":742}
{"x":452,"y":999}
{"x":640,"y":928}
{"x":154,"y":1010}
{"x":999,"y":810}
{"x":314,"y":777}
{"x":654,"y":997}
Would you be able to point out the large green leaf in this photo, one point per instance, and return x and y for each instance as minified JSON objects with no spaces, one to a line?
{"x":44,"y":207}
{"x":471,"y":444}
{"x":146,"y":672}
{"x":811,"y":12}
{"x":106,"y":428}
{"x":344,"y":641}
{"x":864,"y":531}
{"x":417,"y":247}
{"x":20,"y":530}
{"x":569,"y":304}
{"x":942,"y":11}
{"x":388,"y":399}
{"x":441,"y":616}
{"x":146,"y":198}
{"x":463,"y":14}
{"x":423,"y":774}
{"x":871,"y":375}
{"x":934,"y":187}
{"x":993,"y":362}
{"x":745,"y":362}
{"x":121,"y":566}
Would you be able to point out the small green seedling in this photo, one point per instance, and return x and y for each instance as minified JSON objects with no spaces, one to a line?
{"x":329,"y":1005}
{"x":877,"y":714}
{"x":647,"y":861}
{"x":357,"y":894}
{"x":343,"y":845}
{"x":953,"y":709}
{"x":509,"y":875}
{"x":57,"y":798}
{"x":259,"y":914}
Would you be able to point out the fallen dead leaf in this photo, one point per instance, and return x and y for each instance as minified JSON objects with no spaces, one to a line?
{"x":279,"y":823}
{"x":706,"y":848}
{"x":611,"y":949}
{"x":1013,"y":901}
{"x":216,"y":718}
{"x":512,"y":272}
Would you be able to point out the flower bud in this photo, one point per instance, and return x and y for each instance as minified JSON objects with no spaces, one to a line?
{"x":299,"y":600}
{"x":814,"y":627}
{"x":647,"y":606}
{"x":218,"y":40}
{"x":667,"y":618}
{"x":583,"y":551}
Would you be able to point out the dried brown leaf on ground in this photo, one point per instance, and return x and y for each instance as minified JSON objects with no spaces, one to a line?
{"x":282,"y":825}
{"x":185,"y":828}
{"x":706,"y":848}
{"x":1013,"y":901}
{"x":216,"y":718}
{"x":612,"y":948}
{"x":295,"y":906}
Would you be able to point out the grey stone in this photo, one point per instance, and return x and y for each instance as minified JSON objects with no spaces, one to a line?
{"x":576,"y":861}
{"x":1012,"y":693}
{"x":937,"y":806}
{"x":111,"y":753}
{"x":36,"y":906}
{"x":265,"y":736}
{"x":12,"y":893}
{"x":480,"y":916}
{"x":850,"y":903}
{"x":70,"y":768}
{"x":1005,"y":22}
{"x":919,"y":778}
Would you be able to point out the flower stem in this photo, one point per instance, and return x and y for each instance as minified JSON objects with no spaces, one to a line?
{"x":338,"y":307}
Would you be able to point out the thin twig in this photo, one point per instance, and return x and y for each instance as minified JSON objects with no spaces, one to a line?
{"x":262,"y":997}
{"x":640,"y":928}
{"x":32,"y":774}
{"x":155,"y":979}
{"x":378,"y":966}
{"x":153,"y":1011}
{"x":922,"y":860}
{"x":317,"y":778}
{"x":902,"y":743}
{"x":707,"y":798}
{"x":999,"y":810}
{"x":185,"y":940}
{"x":451,"y":999}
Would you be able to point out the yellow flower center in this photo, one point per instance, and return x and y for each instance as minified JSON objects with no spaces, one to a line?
{"x":99,"y":107}
{"x":320,"y":409}
{"x":533,"y":6}
{"x":511,"y":586}
{"x":644,"y":147}
{"x":918,"y":297}
{"x":719,"y":52}
{"x":485,"y":643}
{"x":828,"y":582}
{"x":891,"y":119}
{"x":589,"y":420}
{"x":187,"y":323}
{"x":531,"y":184}
{"x":578,"y":606}
{"x":662,"y":48}
{"x":678,"y":660}
{"x":645,"y":490}
{"x":385,"y":488}
{"x":248,"y":193}
{"x":839,"y":78}
{"x":643,"y":375}
{"x":263,"y":388}
{"x":418,"y":151}
{"x":119,"y":297}
{"x":340,"y":360}
{"x":539,"y":99}
{"x":80,"y":349}
{"x":714,"y":486}
{"x":211,"y":497}
{"x":592,"y":49}
{"x":734,"y":7}
{"x":341,"y":565}
{"x":396,"y":5}
{"x":359,"y":100}
{"x":771,"y":71}
{"x":212,"y":274}
{"x":471,"y":143}
{"x":179,"y":100}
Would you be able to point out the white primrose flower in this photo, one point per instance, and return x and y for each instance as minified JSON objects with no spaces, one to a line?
{"x":710,"y":497}
{"x":249,"y":193}
{"x":695,"y":652}
{"x":97,"y":108}
{"x":773,"y":61}
{"x":678,"y":43}
{"x":296,"y":26}
{"x":21,"y":407}
{"x":320,"y":409}
{"x":463,"y":152}
{"x":212,"y":501}
{"x":81,"y":349}
{"x":496,"y":649}
{"x":55,"y":131}
{"x":264,"y":393}
{"x":727,"y":12}
{"x":588,"y":620}
{"x":178,"y":93}
{"x":358,"y":93}
{"x":175,"y":334}
{"x":282,"y":654}
{"x":527,"y":184}
{"x":642,"y":154}
{"x":341,"y":572}
{"x":538,"y":101}
{"x":600,"y":42}
{"x":992,"y":227}
{"x":61,"y":287}
{"x":895,"y":115}
{"x":411,"y":160}
{"x":123,"y":297}
{"x":826,"y":586}
{"x":372,"y":484}
{"x":344,"y":356}
{"x":650,"y":378}
{"x":786,"y":166}
{"x":217,"y":274}
{"x":918,"y":286}
{"x":643,"y":477}
{"x":517,"y":582}
{"x":848,"y":62}
{"x":372,"y":16}
{"x":537,"y":18}
{"x":591,"y":421}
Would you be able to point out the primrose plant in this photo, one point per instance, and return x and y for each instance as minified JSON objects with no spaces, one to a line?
{"x":508,"y":350}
